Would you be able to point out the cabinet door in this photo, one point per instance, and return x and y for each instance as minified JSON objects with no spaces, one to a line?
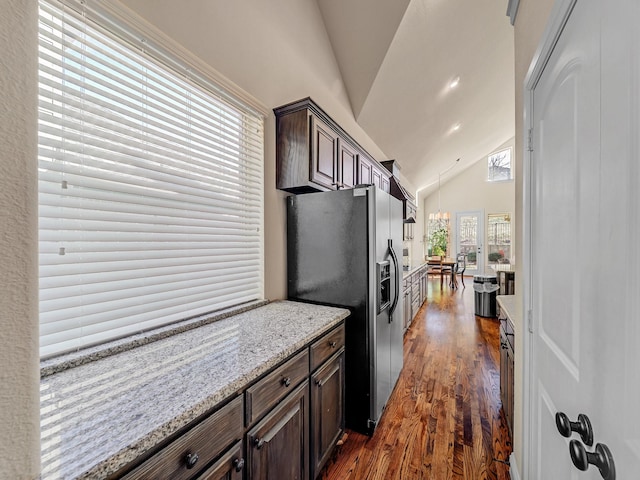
{"x":503,"y":368}
{"x":510,"y":387}
{"x":407,"y":308}
{"x":347,"y":166}
{"x":278,"y":446}
{"x":376,"y":177}
{"x":327,"y":411}
{"x":324,"y":151}
{"x":365,"y":170}
{"x":229,"y":467}
{"x":384,"y":183}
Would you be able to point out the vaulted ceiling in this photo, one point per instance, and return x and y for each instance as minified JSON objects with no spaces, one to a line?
{"x":398,"y":60}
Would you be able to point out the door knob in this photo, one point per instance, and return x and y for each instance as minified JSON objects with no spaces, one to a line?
{"x":601,"y":458}
{"x":582,"y":427}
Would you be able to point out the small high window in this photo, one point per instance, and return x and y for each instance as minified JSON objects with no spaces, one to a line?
{"x":500,"y":168}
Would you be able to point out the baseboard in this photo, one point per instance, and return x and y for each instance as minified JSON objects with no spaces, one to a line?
{"x":513,"y":468}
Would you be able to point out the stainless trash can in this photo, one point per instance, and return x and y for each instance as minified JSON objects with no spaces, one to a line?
{"x":486,"y":288}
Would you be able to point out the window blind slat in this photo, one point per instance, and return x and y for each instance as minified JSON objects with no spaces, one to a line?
{"x":138,"y":129}
{"x":75,"y":337}
{"x":150,"y":187}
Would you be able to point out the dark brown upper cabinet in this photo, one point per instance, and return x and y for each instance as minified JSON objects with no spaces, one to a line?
{"x":347,"y":166}
{"x":365,"y":170}
{"x":313,"y":153}
{"x":324,"y":149}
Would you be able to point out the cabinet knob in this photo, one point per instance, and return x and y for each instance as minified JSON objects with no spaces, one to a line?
{"x":238,"y":464}
{"x":318,"y":382}
{"x":333,"y":344}
{"x":286,"y":381}
{"x":258,"y":443}
{"x":191,"y":459}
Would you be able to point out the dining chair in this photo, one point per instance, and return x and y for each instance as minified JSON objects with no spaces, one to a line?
{"x":435,"y":268}
{"x":461,"y":266}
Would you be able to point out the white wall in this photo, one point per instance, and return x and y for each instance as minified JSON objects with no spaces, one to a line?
{"x":19,"y":369}
{"x":470,"y":190}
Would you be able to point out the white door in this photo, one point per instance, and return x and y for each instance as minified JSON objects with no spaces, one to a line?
{"x":469,"y":236}
{"x":583,"y":264}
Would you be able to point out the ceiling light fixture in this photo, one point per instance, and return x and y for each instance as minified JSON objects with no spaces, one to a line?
{"x":454,"y":83}
{"x":456,"y":127}
{"x":442,"y":218}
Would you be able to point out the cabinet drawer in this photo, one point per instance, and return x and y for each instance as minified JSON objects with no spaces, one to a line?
{"x":206,"y":440}
{"x":327,"y":346}
{"x":268,"y":391}
{"x":229,"y":467}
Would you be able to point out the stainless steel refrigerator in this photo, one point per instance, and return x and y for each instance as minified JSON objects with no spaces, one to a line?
{"x":342,"y":250}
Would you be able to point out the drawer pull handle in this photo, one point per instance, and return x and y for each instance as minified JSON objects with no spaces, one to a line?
{"x":191,"y":459}
{"x":286,"y":381}
{"x":259,"y":443}
{"x":238,"y":464}
{"x":332,"y":344}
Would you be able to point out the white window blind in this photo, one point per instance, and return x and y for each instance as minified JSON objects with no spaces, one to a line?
{"x":150,"y":188}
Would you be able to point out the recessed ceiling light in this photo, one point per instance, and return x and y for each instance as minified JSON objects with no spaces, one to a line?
{"x":456,"y":127}
{"x":454,"y":83}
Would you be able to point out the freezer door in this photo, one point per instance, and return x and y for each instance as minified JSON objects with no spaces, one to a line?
{"x":329,"y":262}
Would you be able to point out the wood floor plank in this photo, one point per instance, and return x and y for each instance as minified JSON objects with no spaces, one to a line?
{"x":444,"y":420}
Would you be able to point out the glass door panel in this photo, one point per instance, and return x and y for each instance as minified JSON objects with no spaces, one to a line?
{"x":469,"y":239}
{"x":499,"y":239}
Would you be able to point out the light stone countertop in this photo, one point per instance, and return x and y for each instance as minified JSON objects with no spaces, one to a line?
{"x":512,"y":305}
{"x":408,"y":273}
{"x":98,"y":417}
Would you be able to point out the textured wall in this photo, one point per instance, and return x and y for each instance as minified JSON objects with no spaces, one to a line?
{"x":19,"y":369}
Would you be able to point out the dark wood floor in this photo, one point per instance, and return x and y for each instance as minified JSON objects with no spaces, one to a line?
{"x":444,"y":419}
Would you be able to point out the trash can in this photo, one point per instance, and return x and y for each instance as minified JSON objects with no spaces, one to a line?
{"x":486,"y":288}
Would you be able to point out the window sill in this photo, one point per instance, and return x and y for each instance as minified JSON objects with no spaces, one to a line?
{"x":91,"y":354}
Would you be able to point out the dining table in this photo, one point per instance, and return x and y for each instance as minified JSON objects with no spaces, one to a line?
{"x":448,"y":265}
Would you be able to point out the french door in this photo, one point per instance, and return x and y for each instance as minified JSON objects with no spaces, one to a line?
{"x":469,"y":234}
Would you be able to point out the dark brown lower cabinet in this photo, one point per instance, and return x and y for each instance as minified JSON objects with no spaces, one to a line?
{"x":278,"y":445}
{"x":290,"y":420}
{"x":327,"y":411}
{"x":229,"y":467}
{"x":506,"y":370}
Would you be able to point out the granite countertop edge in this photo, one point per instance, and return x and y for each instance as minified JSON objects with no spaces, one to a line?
{"x":112,"y":462}
{"x":512,"y":305}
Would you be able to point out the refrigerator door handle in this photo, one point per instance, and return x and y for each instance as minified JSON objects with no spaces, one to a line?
{"x":397,"y":276}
